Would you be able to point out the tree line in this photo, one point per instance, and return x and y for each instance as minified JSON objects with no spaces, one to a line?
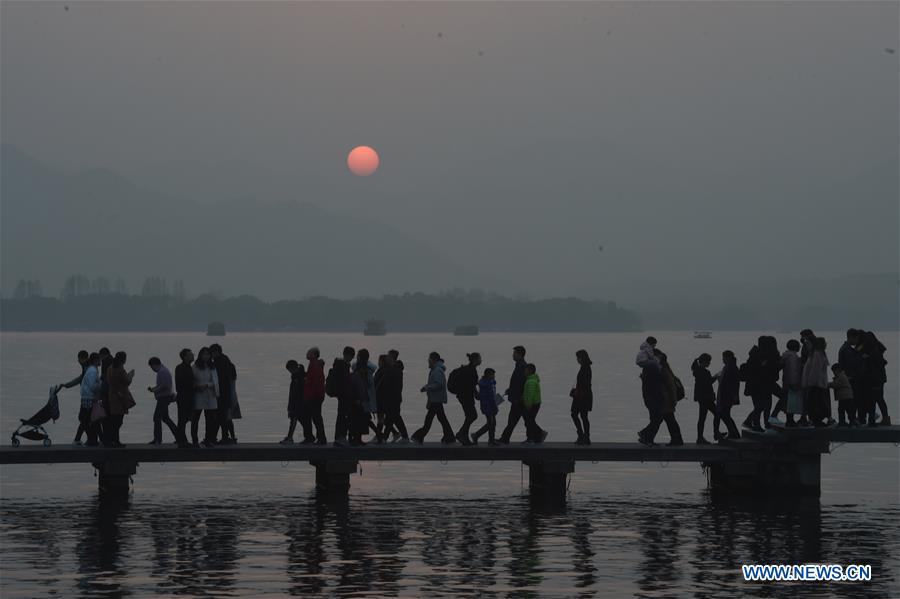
{"x":157,"y":309}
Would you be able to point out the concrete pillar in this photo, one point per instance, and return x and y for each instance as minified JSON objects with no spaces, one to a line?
{"x":333,"y":476}
{"x":547,"y":480}
{"x":799,"y":475}
{"x":114,"y":477}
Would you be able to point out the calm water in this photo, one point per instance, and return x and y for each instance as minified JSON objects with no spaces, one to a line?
{"x":642,"y":530}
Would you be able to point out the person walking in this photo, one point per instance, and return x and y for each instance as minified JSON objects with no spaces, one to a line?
{"x":514,"y":393}
{"x":487,"y":400}
{"x":436,"y":391}
{"x":83,"y":358}
{"x":463,"y":383}
{"x":582,"y":398}
{"x":369,"y":403}
{"x":184,"y":394}
{"x":390,"y":399}
{"x":660,"y":394}
{"x":791,"y":383}
{"x":90,"y":394}
{"x":704,"y":395}
{"x":227,"y":377}
{"x":815,"y":383}
{"x":164,"y":393}
{"x":120,"y":399}
{"x":531,"y":404}
{"x":338,"y":385}
{"x":295,"y":409}
{"x":314,"y":395}
{"x":206,"y":395}
{"x":728,"y":395}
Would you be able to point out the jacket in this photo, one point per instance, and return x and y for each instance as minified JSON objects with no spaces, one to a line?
{"x":119,"y":396}
{"x":487,"y":396}
{"x":436,"y":385}
{"x":295,"y":393}
{"x":815,"y":371}
{"x":850,"y":360}
{"x":90,"y":386}
{"x":371,"y":403}
{"x":791,"y":370}
{"x":531,"y":395}
{"x":469,"y":384}
{"x":703,"y":384}
{"x":841,"y":385}
{"x":516,"y":382}
{"x":729,"y":392}
{"x":207,"y":399}
{"x":314,"y":384}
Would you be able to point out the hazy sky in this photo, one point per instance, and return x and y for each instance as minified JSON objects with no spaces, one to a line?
{"x":686,"y":138}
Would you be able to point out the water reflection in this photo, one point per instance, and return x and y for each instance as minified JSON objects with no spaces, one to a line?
{"x":504,"y":547}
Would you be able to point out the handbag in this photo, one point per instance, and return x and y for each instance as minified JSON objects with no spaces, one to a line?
{"x":97,"y":411}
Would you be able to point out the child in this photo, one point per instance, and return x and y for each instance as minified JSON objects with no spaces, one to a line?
{"x":843,"y":394}
{"x":791,"y":371}
{"x":487,"y":397}
{"x":295,"y":398}
{"x":531,"y":400}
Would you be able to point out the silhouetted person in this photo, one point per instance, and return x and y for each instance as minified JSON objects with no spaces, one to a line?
{"x":89,"y":389}
{"x":337,"y":385}
{"x":487,"y":400}
{"x":852,"y":362}
{"x":206,"y":393}
{"x":704,"y":395}
{"x":582,"y":398}
{"x":184,"y":394}
{"x":436,"y":391}
{"x":815,"y":383}
{"x":660,"y":394}
{"x":164,"y":394}
{"x":368,"y":403}
{"x":391,"y":397}
{"x":465,"y":386}
{"x":874,"y":378}
{"x":314,"y":396}
{"x":531,"y":405}
{"x":227,"y":376}
{"x":119,"y":398}
{"x":83,"y":358}
{"x":791,"y":383}
{"x":843,"y":394}
{"x":360,"y":416}
{"x":728,"y":395}
{"x":514,"y":393}
{"x":295,"y":399}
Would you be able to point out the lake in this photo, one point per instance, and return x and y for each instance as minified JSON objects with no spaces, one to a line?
{"x":410,"y":529}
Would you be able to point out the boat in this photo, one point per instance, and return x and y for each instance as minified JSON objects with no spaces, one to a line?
{"x":468,"y":330}
{"x":215,"y":329}
{"x":375,"y":328}
{"x":702,"y":334}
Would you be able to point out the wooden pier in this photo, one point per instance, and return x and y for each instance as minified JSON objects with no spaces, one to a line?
{"x":784,"y":460}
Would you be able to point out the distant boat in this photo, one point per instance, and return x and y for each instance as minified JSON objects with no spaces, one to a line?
{"x":469,"y":330}
{"x":702,"y":334}
{"x":215,"y":329}
{"x":375,"y":328}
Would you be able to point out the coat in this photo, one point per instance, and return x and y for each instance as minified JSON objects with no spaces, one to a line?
{"x":118,"y":395}
{"x":487,"y":396}
{"x":436,"y":385}
{"x":314,"y":383}
{"x":516,"y":382}
{"x":815,"y":371}
{"x":207,"y":398}
{"x":531,"y":395}
{"x":295,"y":393}
{"x":729,"y":392}
{"x":841,"y":385}
{"x":703,"y":385}
{"x":791,"y":371}
{"x":582,"y":394}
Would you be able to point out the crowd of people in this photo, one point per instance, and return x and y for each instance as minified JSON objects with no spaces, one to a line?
{"x":370,"y":395}
{"x":857,"y":383}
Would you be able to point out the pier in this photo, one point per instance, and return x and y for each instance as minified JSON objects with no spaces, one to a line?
{"x":785,"y":460}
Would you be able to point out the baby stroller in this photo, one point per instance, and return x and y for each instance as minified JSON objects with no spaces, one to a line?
{"x":33,"y":427}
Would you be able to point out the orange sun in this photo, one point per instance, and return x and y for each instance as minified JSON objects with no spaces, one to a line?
{"x":363,"y":161}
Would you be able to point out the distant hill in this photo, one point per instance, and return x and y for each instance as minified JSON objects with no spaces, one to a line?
{"x":98,"y":222}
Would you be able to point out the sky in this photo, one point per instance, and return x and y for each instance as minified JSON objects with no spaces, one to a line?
{"x":700,"y":144}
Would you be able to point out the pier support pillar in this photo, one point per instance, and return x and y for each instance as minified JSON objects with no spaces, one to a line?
{"x":333,"y":476}
{"x":114,"y":477}
{"x":798,"y":471}
{"x":547,"y":480}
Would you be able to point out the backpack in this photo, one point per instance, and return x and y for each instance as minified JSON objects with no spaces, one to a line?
{"x":454,"y":381}
{"x":331,"y":389}
{"x":679,"y":389}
